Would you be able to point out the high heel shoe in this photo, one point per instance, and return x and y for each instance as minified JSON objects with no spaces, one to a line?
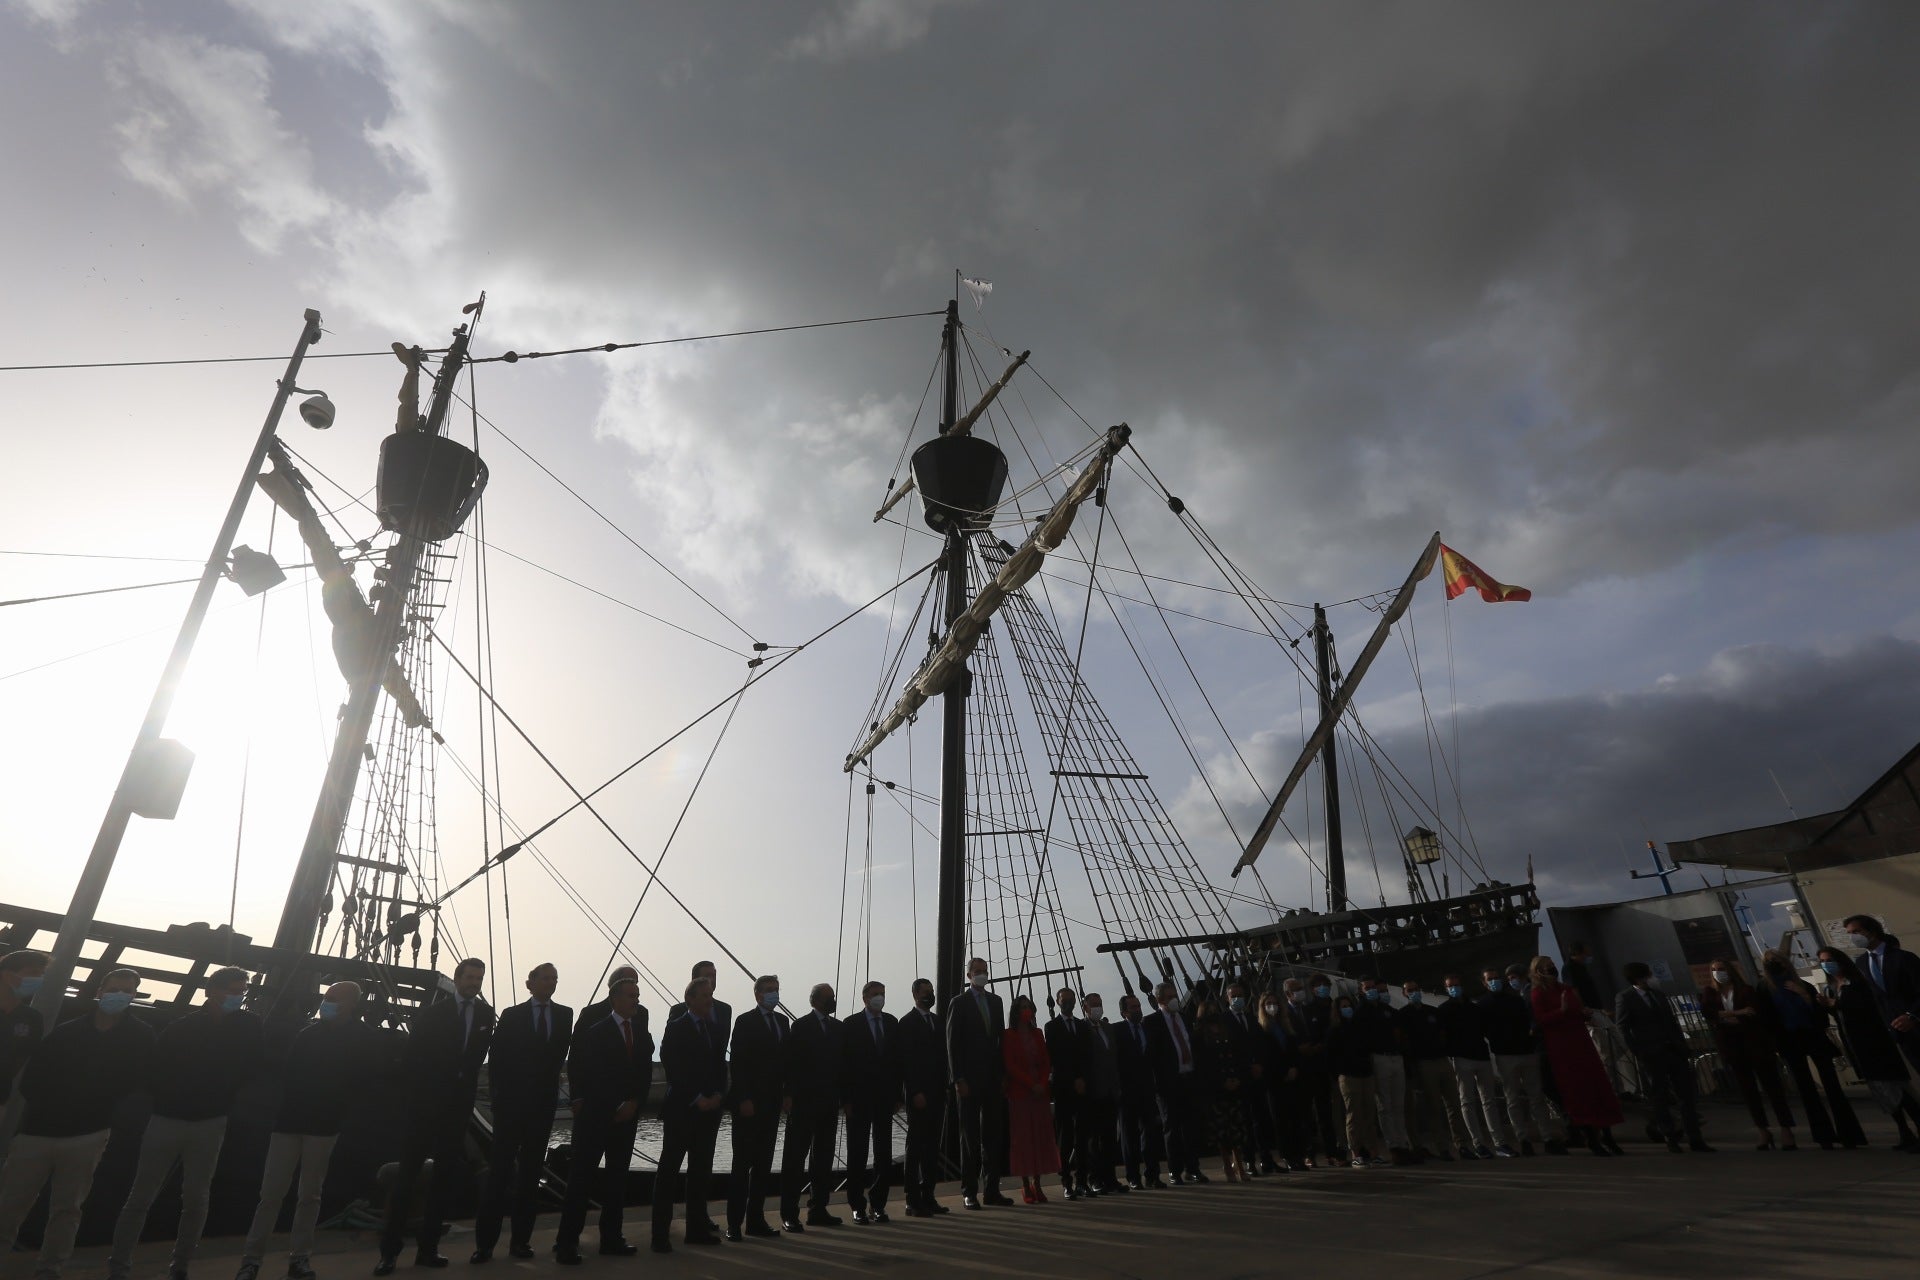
{"x":1606,"y":1140}
{"x":1765,"y":1143}
{"x":1027,"y":1195}
{"x":1039,"y":1194}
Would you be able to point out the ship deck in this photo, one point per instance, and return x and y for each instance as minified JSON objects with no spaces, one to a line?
{"x":1736,"y":1213}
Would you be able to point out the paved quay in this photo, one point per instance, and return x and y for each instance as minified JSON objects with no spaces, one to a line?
{"x":1738,"y":1213}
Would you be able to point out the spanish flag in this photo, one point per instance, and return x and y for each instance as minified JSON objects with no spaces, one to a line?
{"x":1462,"y":574}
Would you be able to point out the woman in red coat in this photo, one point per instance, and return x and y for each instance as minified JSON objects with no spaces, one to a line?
{"x":1031,"y":1152}
{"x":1586,"y":1095}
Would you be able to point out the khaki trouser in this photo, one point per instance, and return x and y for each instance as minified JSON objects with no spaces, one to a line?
{"x":1390,"y":1087}
{"x":1440,"y":1127}
{"x":195,"y":1146}
{"x":286,"y":1152}
{"x":31,"y":1161}
{"x":1480,"y":1101}
{"x":1363,"y":1123}
{"x":1526,"y":1104}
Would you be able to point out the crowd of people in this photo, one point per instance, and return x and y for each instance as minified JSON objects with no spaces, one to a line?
{"x":1308,"y":1073}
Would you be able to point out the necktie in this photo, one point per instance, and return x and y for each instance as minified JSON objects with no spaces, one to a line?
{"x":1879,"y":980}
{"x":540,"y":1020}
{"x":879,"y":1039}
{"x":626,"y":1028}
{"x":466,"y":1021}
{"x":773,"y":1025}
{"x":1179,"y":1038}
{"x":980,"y":1000}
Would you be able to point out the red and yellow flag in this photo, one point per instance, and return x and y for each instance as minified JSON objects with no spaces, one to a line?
{"x":1462,"y":574}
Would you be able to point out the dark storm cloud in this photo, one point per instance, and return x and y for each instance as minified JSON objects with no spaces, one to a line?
{"x":1578,"y":784}
{"x":1600,"y":288}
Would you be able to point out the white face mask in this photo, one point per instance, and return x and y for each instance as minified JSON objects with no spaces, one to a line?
{"x":1093,"y":1012}
{"x":1721,"y":975}
{"x":978,"y":981}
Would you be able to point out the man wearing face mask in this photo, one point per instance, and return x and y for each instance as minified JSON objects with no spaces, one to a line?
{"x":1374,"y":1025}
{"x":1244,"y":1018}
{"x":1068,"y":1084}
{"x":609,"y":1072}
{"x":72,"y":1084}
{"x":1140,"y":1135}
{"x":976,"y":1020}
{"x":756,"y":1086}
{"x":21,"y":973}
{"x":1893,"y":975}
{"x":1516,"y":1059}
{"x":1463,"y":1031}
{"x":333,"y":1060}
{"x":923,"y":1070}
{"x":1100,"y":1105}
{"x":523,"y":1080}
{"x":1176,"y":1082}
{"x":1319,"y":1092}
{"x":1435,"y":1098}
{"x":1646,"y":1019}
{"x":694,"y":1056}
{"x":199,"y":1064}
{"x":816,"y":1089}
{"x":873,"y":1072}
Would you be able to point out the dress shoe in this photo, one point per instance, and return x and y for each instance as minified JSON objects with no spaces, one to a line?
{"x":733,"y":1235}
{"x":520,"y":1251}
{"x":1154,"y":1184}
{"x":762,"y":1230}
{"x":1673,"y":1145}
{"x":792,"y":1225}
{"x":385,"y":1266}
{"x":1296,"y":1166}
{"x":1198,"y":1177}
{"x":567,"y":1255}
{"x":996,"y":1200}
{"x":821,"y":1218}
{"x":936,"y":1208}
{"x":1178,"y":1179}
{"x":860,"y":1218}
{"x":707,"y":1227}
{"x":1069,"y":1192}
{"x":970,"y":1202}
{"x":1115,"y":1189}
{"x":432,"y":1261}
{"x":1699,"y":1144}
{"x":1555,"y":1147}
{"x":877,"y":1216}
{"x":703,"y":1237}
{"x":661,"y":1246}
{"x":916,"y":1211}
{"x":1526,"y":1147}
{"x":618,"y":1248}
{"x":479,"y":1256}
{"x":1268,"y":1166}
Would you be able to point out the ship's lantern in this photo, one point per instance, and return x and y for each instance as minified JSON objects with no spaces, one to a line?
{"x":428,"y":484}
{"x":157,"y":778}
{"x":255,"y":571}
{"x":960,"y":479}
{"x":1423,"y":847}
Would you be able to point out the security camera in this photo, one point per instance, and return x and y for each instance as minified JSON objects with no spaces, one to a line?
{"x":317,"y":410}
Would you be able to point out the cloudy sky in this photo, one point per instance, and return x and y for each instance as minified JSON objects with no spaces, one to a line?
{"x":1617,"y":297}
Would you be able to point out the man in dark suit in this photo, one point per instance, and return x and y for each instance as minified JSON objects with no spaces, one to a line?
{"x":1894,"y":975}
{"x":872,"y":1084}
{"x":923,"y":1072}
{"x":610,"y":1070}
{"x":816,"y":1060}
{"x":975,"y":1022}
{"x":1141,"y":1140}
{"x":693,"y":1054}
{"x":1645,"y":1017}
{"x":1068,"y":1083}
{"x":1244,"y":1019}
{"x":440,"y":1076}
{"x":597,"y":1011}
{"x":722,"y":1015}
{"x":1100,"y":1105}
{"x":523,"y":1080}
{"x":1175,"y":1084}
{"x":757,"y":1085}
{"x":1315,"y":1010}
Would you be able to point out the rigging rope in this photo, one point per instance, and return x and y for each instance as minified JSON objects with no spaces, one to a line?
{"x":514,"y":357}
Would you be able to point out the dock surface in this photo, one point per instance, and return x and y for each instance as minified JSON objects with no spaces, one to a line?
{"x":1735,"y":1214}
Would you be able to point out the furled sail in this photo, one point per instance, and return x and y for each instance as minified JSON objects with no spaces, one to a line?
{"x":346,"y":608}
{"x":948,"y":661}
{"x":1324,"y":731}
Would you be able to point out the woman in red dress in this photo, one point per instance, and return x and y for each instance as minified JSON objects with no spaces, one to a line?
{"x":1031,"y":1152}
{"x":1586,"y":1095}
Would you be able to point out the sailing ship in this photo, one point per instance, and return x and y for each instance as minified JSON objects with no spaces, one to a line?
{"x":364,"y":908}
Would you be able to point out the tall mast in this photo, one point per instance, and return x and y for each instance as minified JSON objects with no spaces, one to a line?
{"x":305,"y":895}
{"x":146,"y":744}
{"x":1330,"y":766}
{"x":951,"y":921}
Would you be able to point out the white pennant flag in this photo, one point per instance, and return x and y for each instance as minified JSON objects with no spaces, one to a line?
{"x":979,"y":289}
